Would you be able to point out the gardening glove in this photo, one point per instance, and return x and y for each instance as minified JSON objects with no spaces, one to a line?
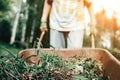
{"x":43,"y":26}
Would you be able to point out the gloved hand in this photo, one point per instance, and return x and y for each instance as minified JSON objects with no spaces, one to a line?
{"x":43,"y":26}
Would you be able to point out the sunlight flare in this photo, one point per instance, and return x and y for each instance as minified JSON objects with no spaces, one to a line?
{"x":109,"y":6}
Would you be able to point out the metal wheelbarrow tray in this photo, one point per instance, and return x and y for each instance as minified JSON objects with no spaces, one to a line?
{"x":110,"y":64}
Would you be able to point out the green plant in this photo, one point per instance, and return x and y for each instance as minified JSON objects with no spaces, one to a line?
{"x":85,"y":69}
{"x":50,"y":67}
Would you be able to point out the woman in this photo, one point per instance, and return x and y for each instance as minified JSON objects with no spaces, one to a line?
{"x":66,"y":22}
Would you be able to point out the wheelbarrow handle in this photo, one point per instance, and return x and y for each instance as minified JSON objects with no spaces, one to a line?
{"x":92,"y":40}
{"x":41,"y":37}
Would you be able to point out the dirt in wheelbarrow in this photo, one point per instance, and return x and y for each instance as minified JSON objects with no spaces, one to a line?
{"x":52,"y":67}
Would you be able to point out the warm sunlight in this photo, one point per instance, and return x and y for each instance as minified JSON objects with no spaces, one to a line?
{"x":111,"y":7}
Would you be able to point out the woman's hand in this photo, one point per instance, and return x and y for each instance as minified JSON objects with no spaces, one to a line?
{"x":43,"y":26}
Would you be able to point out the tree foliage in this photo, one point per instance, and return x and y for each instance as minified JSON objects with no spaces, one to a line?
{"x":4,"y":5}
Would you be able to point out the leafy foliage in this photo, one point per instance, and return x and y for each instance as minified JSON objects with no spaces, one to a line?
{"x":5,"y":9}
{"x":85,"y":69}
{"x":50,"y":67}
{"x":4,"y":5}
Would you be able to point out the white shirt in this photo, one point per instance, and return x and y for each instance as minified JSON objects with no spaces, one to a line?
{"x":67,"y":15}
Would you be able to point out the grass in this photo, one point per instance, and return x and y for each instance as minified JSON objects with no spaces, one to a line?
{"x":5,"y":49}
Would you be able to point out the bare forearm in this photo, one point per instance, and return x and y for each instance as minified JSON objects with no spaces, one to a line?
{"x":92,"y":20}
{"x":91,"y":13}
{"x":46,"y":10}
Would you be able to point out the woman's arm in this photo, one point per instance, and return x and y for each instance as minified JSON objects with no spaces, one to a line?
{"x":46,"y":10}
{"x":89,"y":6}
{"x":92,"y":22}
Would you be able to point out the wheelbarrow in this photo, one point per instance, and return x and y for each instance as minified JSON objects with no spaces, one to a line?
{"x":110,"y":64}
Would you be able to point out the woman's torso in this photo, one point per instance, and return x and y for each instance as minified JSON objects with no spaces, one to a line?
{"x":67,"y":14}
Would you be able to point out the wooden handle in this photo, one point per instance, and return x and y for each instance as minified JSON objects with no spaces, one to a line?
{"x":93,"y":41}
{"x":41,"y":37}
